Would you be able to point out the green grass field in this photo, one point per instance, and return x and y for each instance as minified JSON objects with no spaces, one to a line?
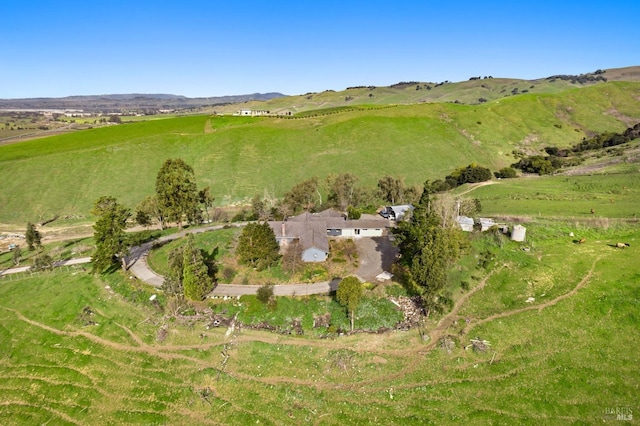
{"x":613,"y":196}
{"x":240,"y":157}
{"x":567,"y":357}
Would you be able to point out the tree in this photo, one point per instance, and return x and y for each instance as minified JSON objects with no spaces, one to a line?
{"x":260,"y":209}
{"x":191,"y":272}
{"x":33,"y":237}
{"x":257,"y":246}
{"x":149,"y":209}
{"x":195,"y":275}
{"x":42,"y":262}
{"x":176,"y":191}
{"x":266,"y":296}
{"x":427,"y":250}
{"x":391,"y":189}
{"x":505,"y":173}
{"x":303,"y":196}
{"x":348,"y":295}
{"x":17,"y":255}
{"x":206,"y":199}
{"x":342,"y":190}
{"x":470,"y":174}
{"x":292,"y":258}
{"x":109,"y":235}
{"x":143,"y":218}
{"x":172,"y":285}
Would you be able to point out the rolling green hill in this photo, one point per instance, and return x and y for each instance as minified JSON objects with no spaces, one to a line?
{"x":240,"y":157}
{"x":474,"y":91}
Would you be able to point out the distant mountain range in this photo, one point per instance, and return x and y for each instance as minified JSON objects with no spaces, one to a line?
{"x":133,"y":101}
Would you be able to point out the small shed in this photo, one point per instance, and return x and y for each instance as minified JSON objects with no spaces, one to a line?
{"x":485,"y":223}
{"x":466,"y":223}
{"x":518,"y":233}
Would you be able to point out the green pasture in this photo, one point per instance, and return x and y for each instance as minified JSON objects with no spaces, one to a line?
{"x":74,"y":351}
{"x":611,"y":196}
{"x":240,"y":157}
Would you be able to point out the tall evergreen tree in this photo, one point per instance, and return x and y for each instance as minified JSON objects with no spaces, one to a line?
{"x":33,"y":237}
{"x":257,"y":246}
{"x":191,"y":272}
{"x":427,"y":250}
{"x":176,"y":191}
{"x":195,"y":278}
{"x":109,"y":235}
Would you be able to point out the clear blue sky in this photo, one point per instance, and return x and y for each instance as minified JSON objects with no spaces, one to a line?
{"x":215,"y":48}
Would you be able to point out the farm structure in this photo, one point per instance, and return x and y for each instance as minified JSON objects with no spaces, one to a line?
{"x":466,"y":223}
{"x":313,"y":230}
{"x":396,"y":212}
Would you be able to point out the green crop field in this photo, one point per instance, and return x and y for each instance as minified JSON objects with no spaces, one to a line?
{"x":240,"y":157}
{"x":73,"y":351}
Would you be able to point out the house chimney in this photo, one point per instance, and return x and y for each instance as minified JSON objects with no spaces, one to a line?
{"x":284,"y":229}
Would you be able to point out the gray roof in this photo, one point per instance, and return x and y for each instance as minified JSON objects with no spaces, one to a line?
{"x":311,"y":228}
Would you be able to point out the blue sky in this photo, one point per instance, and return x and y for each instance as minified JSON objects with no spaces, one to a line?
{"x":213,"y":48}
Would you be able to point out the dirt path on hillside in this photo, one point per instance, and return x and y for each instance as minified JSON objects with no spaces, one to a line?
{"x":168,"y":352}
{"x":539,"y":307}
{"x":476,"y":186}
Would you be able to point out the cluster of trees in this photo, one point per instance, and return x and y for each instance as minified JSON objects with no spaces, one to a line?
{"x":607,"y":139}
{"x":343,"y":192}
{"x":176,"y":199}
{"x":582,"y":78}
{"x":472,"y":173}
{"x":557,"y":158}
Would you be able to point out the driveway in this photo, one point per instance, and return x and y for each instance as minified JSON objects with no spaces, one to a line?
{"x":376,"y":256}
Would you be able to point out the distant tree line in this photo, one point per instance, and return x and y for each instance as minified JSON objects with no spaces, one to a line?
{"x":582,"y":78}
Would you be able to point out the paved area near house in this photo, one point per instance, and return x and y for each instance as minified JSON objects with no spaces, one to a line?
{"x":375,"y":256}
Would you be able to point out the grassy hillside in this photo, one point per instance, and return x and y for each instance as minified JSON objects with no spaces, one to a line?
{"x":473,"y":91}
{"x":72,"y":351}
{"x":240,"y":157}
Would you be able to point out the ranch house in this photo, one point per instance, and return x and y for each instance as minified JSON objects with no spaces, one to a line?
{"x":313,"y":230}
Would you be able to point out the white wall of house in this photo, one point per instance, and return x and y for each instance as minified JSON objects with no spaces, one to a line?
{"x":361,"y":232}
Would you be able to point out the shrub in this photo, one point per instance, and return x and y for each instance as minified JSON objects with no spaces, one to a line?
{"x":265,"y":295}
{"x":505,"y":173}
